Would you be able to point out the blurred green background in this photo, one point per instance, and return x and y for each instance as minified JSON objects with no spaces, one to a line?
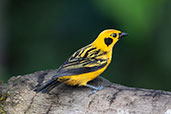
{"x":41,"y":35}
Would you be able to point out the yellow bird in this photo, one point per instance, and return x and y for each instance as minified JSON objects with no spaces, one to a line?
{"x":86,"y":64}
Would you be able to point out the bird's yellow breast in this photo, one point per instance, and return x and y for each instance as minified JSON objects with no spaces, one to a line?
{"x":82,"y":79}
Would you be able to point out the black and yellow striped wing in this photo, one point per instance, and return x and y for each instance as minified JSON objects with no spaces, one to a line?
{"x":87,"y":59}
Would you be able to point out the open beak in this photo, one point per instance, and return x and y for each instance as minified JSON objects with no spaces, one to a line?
{"x":122,"y":34}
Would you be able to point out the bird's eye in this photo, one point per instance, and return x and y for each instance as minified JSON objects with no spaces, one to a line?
{"x":114,"y":35}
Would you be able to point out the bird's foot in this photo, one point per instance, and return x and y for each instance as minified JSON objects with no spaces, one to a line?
{"x":94,"y":88}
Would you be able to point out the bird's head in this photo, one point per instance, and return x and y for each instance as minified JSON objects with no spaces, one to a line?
{"x":108,"y":38}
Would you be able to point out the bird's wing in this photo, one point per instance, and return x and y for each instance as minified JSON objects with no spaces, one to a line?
{"x":87,"y":59}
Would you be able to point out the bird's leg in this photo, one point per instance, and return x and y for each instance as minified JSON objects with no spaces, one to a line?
{"x":94,"y":88}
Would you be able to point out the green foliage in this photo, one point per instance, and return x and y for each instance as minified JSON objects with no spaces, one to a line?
{"x":41,"y":35}
{"x":140,"y":16}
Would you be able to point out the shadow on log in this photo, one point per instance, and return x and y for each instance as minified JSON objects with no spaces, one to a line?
{"x":113,"y":99}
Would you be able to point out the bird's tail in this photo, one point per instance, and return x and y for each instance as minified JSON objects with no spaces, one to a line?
{"x":47,"y":86}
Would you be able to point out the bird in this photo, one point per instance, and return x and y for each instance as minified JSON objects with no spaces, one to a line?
{"x":85,"y":64}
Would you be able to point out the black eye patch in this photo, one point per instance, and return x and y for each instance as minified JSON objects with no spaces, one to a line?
{"x":108,"y":41}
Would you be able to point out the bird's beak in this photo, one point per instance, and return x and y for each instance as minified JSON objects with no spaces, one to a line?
{"x":122,"y":34}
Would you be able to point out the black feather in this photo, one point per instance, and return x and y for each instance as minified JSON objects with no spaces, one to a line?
{"x":108,"y":41}
{"x":47,"y":86}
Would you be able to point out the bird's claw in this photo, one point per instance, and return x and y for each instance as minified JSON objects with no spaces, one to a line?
{"x":96,"y":89}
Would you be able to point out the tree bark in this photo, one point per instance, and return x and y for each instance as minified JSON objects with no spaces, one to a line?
{"x":17,"y":97}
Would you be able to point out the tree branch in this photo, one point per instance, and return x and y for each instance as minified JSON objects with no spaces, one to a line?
{"x":113,"y":99}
